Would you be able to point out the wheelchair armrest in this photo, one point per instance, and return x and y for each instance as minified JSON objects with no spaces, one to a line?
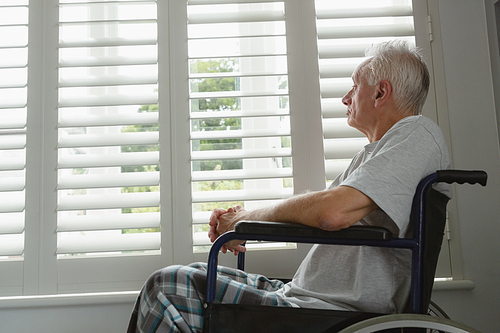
{"x":298,"y":230}
{"x":289,"y":232}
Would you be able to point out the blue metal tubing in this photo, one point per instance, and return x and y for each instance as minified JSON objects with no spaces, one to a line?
{"x":223,"y":239}
{"x":405,"y":243}
{"x":418,"y":216}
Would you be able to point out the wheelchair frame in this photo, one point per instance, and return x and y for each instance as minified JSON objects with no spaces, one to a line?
{"x":355,"y":236}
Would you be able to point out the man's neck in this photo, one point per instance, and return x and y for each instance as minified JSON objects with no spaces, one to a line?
{"x":384,"y":125}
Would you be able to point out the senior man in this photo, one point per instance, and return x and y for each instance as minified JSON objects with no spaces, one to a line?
{"x":377,"y":188}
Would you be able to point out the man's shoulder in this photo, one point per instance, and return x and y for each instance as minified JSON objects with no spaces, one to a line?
{"x":417,"y":122}
{"x":417,"y":135}
{"x":416,"y":125}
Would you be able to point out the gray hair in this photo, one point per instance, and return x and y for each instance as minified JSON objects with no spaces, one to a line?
{"x":404,"y":67}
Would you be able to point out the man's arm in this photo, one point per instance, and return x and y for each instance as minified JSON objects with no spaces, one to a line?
{"x":332,"y":209}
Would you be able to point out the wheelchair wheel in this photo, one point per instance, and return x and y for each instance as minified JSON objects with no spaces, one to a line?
{"x":381,"y":323}
{"x":435,"y":311}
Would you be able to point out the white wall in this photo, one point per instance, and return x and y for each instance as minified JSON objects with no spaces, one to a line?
{"x":107,"y":318}
{"x":475,"y":145}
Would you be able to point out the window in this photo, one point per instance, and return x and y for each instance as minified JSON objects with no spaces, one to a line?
{"x":126,"y":122}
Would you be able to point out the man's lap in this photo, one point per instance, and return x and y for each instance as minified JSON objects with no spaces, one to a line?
{"x":175,"y":295}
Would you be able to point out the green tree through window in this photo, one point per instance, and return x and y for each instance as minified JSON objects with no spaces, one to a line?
{"x":206,"y":84}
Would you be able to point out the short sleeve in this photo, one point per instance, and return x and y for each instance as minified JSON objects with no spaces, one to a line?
{"x":396,"y":166}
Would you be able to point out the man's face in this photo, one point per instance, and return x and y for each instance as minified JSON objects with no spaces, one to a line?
{"x":360,"y":103}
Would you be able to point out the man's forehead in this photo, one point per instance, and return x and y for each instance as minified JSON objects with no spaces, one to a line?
{"x":356,"y":75}
{"x":359,"y":71}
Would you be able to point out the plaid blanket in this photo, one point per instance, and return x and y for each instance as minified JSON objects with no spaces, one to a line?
{"x":172,"y":298}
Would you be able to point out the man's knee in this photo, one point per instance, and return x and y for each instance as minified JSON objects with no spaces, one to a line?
{"x":169,"y":276}
{"x":199,"y":265}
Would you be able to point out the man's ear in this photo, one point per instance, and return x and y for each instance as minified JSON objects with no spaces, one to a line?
{"x":383,"y":93}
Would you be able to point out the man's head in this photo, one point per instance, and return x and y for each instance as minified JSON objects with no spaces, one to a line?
{"x":405,"y":69}
{"x":390,"y":85}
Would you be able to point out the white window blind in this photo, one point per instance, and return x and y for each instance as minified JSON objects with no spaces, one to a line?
{"x":108,"y":165}
{"x":239,"y":112}
{"x":13,"y":101}
{"x":345,"y":30}
{"x":216,"y":90}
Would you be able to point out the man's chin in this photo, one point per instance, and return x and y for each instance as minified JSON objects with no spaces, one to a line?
{"x":351,"y":122}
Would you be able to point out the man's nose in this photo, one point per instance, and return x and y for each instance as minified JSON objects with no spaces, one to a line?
{"x":346,"y":99}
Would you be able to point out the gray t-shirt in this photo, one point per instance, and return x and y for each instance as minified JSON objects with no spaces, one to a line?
{"x":374,"y":279}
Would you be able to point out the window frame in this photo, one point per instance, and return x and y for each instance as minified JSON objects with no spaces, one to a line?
{"x":39,"y":274}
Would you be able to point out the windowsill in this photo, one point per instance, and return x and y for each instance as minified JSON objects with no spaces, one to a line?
{"x":68,"y":299}
{"x":131,"y":296}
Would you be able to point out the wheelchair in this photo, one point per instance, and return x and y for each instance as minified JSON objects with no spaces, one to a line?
{"x":428,"y":219}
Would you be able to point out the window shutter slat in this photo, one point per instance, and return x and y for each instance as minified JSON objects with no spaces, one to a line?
{"x":335,"y":89}
{"x":108,"y":61}
{"x":108,"y":201}
{"x":108,"y":42}
{"x":109,"y":222}
{"x":8,"y":142}
{"x":335,"y":71}
{"x":240,"y":174}
{"x":86,"y":23}
{"x":148,"y":118}
{"x":338,"y":129}
{"x":12,"y":104}
{"x":240,"y":154}
{"x":342,"y":51}
{"x":216,"y":135}
{"x":10,"y":164}
{"x":96,"y":140}
{"x":12,"y":202}
{"x":108,"y":81}
{"x":342,"y":148}
{"x":238,"y":114}
{"x":12,"y":245}
{"x":335,"y":167}
{"x":360,"y":12}
{"x":227,"y":17}
{"x":12,"y":122}
{"x":109,"y":160}
{"x":73,"y":244}
{"x":223,"y":2}
{"x":12,"y":184}
{"x":400,"y":30}
{"x":333,"y":108}
{"x":276,"y":72}
{"x":238,"y":94}
{"x":130,"y":179}
{"x":243,"y":195}
{"x":229,"y":47}
{"x":18,"y":84}
{"x":15,"y":225}
{"x":108,"y":100}
{"x":201,"y":217}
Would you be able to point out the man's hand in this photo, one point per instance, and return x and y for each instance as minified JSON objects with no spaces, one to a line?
{"x":222,"y":221}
